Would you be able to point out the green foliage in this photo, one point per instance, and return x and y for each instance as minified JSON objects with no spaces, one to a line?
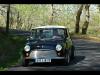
{"x":32,"y":15}
{"x":10,"y":50}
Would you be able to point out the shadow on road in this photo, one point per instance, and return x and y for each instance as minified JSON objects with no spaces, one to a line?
{"x":77,"y":59}
{"x":74,"y":61}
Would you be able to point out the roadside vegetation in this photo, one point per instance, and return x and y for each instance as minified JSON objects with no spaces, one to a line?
{"x":10,"y":49}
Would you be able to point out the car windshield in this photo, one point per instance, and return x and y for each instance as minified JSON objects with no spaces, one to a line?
{"x":48,"y":33}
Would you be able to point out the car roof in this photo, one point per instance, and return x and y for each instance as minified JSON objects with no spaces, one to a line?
{"x":50,"y":26}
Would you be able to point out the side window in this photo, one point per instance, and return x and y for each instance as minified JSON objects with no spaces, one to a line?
{"x":61,"y":33}
{"x":33,"y":33}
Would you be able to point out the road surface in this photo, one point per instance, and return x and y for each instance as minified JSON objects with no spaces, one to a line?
{"x":87,"y":58}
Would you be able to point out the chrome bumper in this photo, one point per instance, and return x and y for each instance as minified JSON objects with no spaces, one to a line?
{"x":44,"y":54}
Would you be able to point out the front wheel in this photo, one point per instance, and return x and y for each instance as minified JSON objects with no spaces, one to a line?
{"x":72,"y":52}
{"x":67,"y":59}
{"x":25,"y":63}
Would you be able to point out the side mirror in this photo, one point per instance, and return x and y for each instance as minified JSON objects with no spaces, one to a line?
{"x":28,"y":38}
{"x":31,"y":38}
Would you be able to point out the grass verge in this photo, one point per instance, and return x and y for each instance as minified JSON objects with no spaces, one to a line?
{"x":10,"y":48}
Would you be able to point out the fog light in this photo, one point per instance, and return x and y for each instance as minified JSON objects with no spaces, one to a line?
{"x":27,"y":54}
{"x":58,"y":54}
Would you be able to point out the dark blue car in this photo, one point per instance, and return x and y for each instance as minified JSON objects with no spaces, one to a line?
{"x":48,"y":44}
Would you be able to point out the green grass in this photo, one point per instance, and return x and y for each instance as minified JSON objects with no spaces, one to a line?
{"x":10,"y":48}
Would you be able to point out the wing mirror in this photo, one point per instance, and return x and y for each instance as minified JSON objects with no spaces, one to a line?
{"x":29,"y":38}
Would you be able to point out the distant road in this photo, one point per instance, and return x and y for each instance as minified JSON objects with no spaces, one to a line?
{"x":87,"y":58}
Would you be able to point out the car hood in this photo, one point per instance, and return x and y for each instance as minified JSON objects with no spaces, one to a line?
{"x":45,"y":44}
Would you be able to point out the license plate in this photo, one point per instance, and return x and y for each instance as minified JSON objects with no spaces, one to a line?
{"x":42,"y":60}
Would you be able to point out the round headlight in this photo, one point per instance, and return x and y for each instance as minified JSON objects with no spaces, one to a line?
{"x":58,"y":47}
{"x":27,"y":48}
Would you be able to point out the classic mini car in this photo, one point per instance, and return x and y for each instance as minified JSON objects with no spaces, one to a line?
{"x":47,"y":44}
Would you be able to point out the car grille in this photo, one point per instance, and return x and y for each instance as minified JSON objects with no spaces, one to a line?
{"x":43,"y":54}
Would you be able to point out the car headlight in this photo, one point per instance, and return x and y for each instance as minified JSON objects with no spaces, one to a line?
{"x":58,"y":47}
{"x":27,"y":48}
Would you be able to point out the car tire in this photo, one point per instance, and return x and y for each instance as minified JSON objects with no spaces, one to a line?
{"x":25,"y":63}
{"x":67,"y":59}
{"x":72,"y":52}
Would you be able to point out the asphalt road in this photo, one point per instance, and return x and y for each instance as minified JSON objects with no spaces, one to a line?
{"x":87,"y":58}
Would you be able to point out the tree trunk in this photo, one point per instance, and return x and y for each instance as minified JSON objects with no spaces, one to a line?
{"x":87,"y":16}
{"x":7,"y":22}
{"x":52,"y":15}
{"x":11,"y":20}
{"x":79,"y":12}
{"x":18,"y":21}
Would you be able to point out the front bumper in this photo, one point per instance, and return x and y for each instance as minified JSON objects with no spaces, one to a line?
{"x":53,"y":60}
{"x":48,"y":54}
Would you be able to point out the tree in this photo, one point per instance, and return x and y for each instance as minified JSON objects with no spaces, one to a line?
{"x":52,"y":14}
{"x":99,"y":7}
{"x":87,"y":16}
{"x":19,"y":21}
{"x":79,"y":12}
{"x":7,"y":22}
